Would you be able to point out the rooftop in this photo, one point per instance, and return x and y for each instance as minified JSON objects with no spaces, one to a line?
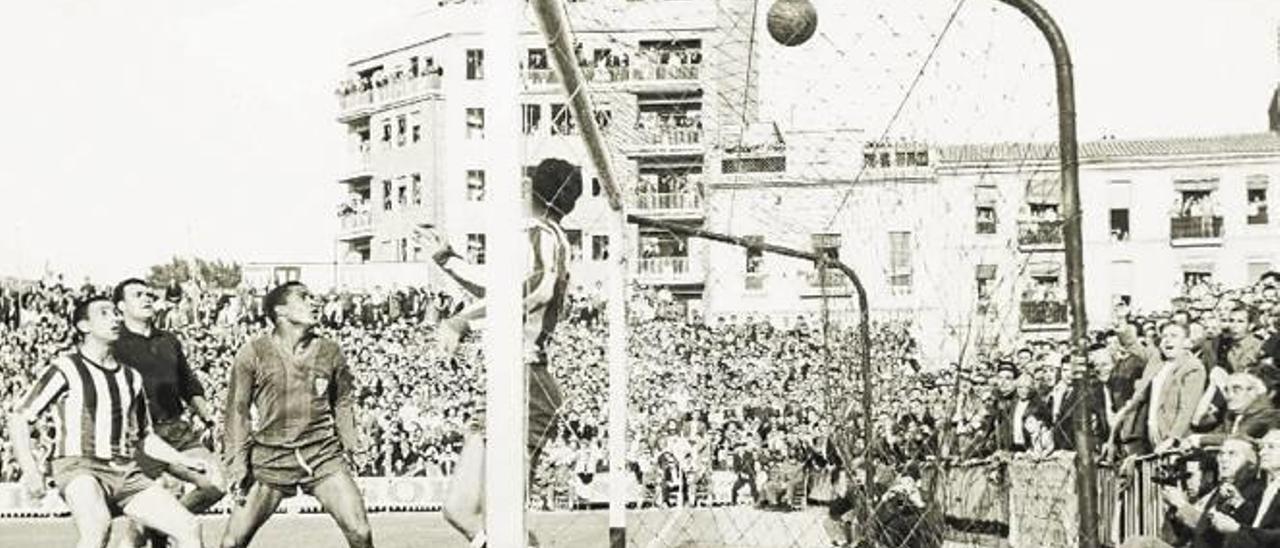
{"x":1112,"y":149}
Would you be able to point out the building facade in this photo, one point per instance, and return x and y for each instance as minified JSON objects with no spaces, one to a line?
{"x":412,"y":107}
{"x":966,"y":241}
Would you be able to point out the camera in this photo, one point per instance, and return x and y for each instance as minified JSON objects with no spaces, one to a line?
{"x":1173,"y":471}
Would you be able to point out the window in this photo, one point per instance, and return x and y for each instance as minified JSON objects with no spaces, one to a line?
{"x":475,"y":64}
{"x":475,"y":123}
{"x":475,"y":248}
{"x":386,"y":195}
{"x":1119,"y":224}
{"x":1257,"y":199}
{"x":538,"y":59}
{"x":402,"y":195}
{"x":386,"y":131}
{"x":575,"y":244}
{"x":417,"y":188}
{"x":984,"y":199}
{"x":532,"y":118}
{"x":402,"y":249}
{"x":402,"y":126}
{"x":986,"y":220}
{"x":600,"y":247}
{"x":561,"y":120}
{"x":900,"y":261}
{"x":1195,"y":277}
{"x":595,"y":186}
{"x":475,"y":185}
{"x":416,"y":133}
{"x":986,"y":278}
{"x":827,"y":244}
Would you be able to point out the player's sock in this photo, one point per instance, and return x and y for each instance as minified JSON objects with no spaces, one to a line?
{"x":480,"y":540}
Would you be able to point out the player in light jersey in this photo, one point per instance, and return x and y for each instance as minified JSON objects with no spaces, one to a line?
{"x":556,"y":186}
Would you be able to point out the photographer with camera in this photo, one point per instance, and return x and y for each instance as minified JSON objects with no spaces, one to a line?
{"x":1234,"y":495}
{"x":1256,"y":524}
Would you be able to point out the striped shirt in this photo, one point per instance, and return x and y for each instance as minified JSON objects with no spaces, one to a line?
{"x":546,"y":287}
{"x":100,"y":410}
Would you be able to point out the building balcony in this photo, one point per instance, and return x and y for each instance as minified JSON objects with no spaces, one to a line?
{"x":542,"y":77}
{"x":1195,"y":230}
{"x":667,"y":270}
{"x":1040,"y":235}
{"x":664,"y":141}
{"x":358,"y":168}
{"x":669,"y":204}
{"x":1042,"y":314}
{"x":355,"y":105}
{"x":355,"y":225}
{"x":834,"y":284}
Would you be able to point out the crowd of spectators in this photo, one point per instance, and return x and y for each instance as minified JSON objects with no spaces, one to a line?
{"x":768,"y":401}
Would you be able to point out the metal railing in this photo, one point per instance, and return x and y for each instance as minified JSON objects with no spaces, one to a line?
{"x":1198,"y":226}
{"x":1044,"y":312}
{"x":650,"y":201}
{"x":670,"y":136}
{"x":663,"y":266}
{"x":1040,"y":232}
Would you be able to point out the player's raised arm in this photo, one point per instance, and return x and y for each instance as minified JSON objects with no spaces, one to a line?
{"x":453,"y":265}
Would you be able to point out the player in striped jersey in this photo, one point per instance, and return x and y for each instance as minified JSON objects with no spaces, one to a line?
{"x":556,"y":186}
{"x":101,"y":411}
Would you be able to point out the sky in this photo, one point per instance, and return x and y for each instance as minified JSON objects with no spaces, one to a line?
{"x":137,"y":130}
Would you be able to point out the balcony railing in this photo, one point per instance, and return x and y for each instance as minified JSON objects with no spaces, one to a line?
{"x":1044,"y":313}
{"x":355,"y":222}
{"x":353,"y":102}
{"x":538,"y":77}
{"x":669,"y":137}
{"x":668,"y":201}
{"x":1040,"y":233}
{"x":1200,"y":227}
{"x":664,"y":268}
{"x":832,"y":279}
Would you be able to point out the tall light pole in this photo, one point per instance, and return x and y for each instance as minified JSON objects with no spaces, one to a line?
{"x":1068,"y":157}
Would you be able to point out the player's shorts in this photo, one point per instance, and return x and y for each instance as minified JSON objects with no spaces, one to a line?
{"x":289,"y":469}
{"x":178,"y":433}
{"x":544,"y":401}
{"x":120,"y":479}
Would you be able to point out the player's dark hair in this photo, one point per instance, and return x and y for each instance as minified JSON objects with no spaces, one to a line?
{"x":80,"y":312}
{"x":276,"y":297}
{"x":557,"y":184}
{"x":117,"y":294}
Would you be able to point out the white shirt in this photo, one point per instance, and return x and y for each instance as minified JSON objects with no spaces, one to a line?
{"x":1019,"y":413}
{"x":1267,"y":495}
{"x":1153,"y":410}
{"x":1059,"y":394}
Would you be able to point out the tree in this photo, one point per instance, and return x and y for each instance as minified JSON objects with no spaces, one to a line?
{"x":214,"y":274}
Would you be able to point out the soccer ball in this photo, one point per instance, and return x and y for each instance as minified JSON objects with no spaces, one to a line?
{"x":792,"y":22}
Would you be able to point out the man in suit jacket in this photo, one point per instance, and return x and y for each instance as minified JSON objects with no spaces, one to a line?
{"x":1236,"y":347}
{"x":1170,"y":388}
{"x":1249,"y":408}
{"x":1066,"y":395}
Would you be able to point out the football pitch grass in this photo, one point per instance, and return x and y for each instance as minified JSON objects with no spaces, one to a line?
{"x":726,"y":527}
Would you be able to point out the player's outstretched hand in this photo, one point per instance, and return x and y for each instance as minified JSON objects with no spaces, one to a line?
{"x":433,"y":242}
{"x":34,"y":485}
